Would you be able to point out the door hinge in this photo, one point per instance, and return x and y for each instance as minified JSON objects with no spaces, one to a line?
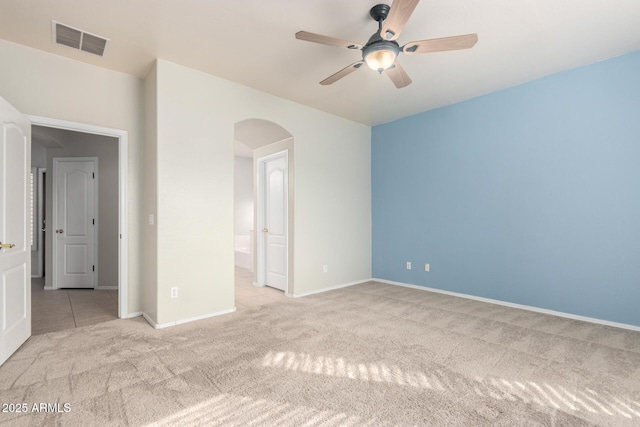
{"x":93,"y":175}
{"x":93,"y":268}
{"x":94,"y":221}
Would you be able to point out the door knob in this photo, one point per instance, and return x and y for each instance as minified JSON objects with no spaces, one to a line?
{"x":7,"y":245}
{"x":60,"y":231}
{"x":265,"y":230}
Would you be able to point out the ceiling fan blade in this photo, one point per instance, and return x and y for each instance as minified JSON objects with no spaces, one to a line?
{"x":398,"y":75}
{"x":331,"y":41}
{"x":465,"y":41}
{"x":340,"y":74}
{"x":398,"y":16}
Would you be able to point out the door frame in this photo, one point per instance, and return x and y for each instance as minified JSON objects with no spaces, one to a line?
{"x":55,"y":219}
{"x":123,"y":210}
{"x":260,"y":220}
{"x":39,"y":217}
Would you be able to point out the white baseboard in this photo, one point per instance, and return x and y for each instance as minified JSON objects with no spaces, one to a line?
{"x":101,"y":288}
{"x":179,"y":322}
{"x":149,"y":319}
{"x":132,"y":315}
{"x":331,"y":288}
{"x":514,"y":305}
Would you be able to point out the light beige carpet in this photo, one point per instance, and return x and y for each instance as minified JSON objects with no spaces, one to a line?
{"x":371,"y":354}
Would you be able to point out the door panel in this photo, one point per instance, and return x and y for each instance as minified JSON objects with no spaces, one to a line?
{"x":76,"y":195}
{"x":15,"y":269}
{"x":76,"y":259}
{"x":275,"y":198}
{"x":276,"y":222}
{"x":11,"y":287}
{"x":75,"y":228}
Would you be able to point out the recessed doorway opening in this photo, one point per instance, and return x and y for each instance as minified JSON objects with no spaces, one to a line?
{"x":256,"y":246}
{"x":110,"y":298}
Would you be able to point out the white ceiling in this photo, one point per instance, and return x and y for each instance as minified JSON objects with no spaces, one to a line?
{"x":47,"y":137}
{"x":252,"y":42}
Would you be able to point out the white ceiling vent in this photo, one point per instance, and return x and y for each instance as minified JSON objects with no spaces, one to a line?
{"x":78,"y":39}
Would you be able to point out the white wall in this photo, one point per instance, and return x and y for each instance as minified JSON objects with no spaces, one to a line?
{"x":196,"y":116}
{"x":243,"y":195}
{"x":47,"y":85}
{"x":38,"y":156}
{"x":150,"y":235}
{"x":196,"y":113}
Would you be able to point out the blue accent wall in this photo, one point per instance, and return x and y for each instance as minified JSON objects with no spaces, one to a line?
{"x":529,"y":195}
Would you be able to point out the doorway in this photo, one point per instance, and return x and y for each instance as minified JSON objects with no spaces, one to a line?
{"x":39,"y":207}
{"x":257,"y":139}
{"x":119,"y":232}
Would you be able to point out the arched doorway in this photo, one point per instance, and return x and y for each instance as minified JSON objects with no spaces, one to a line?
{"x":264,"y":161}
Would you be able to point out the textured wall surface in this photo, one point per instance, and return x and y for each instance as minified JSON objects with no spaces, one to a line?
{"x":529,"y":195}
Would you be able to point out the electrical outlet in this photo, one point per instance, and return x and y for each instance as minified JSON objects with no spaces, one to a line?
{"x":325,"y":268}
{"x":174,"y":292}
{"x":426,"y":266}
{"x":408,"y":265}
{"x":152,"y":219}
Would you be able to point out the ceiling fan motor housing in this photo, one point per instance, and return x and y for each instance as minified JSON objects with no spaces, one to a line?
{"x":378,"y":53}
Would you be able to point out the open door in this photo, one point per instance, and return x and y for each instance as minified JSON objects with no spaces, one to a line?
{"x":273,"y":208}
{"x":15,"y":242}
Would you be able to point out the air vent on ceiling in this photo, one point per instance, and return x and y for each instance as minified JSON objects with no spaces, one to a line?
{"x":78,"y":39}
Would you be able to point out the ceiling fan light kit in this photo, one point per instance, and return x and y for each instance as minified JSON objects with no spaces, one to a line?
{"x":380,"y":56}
{"x":381,"y":52}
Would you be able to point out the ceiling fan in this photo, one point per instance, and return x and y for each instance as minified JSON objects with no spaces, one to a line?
{"x":380,"y":53}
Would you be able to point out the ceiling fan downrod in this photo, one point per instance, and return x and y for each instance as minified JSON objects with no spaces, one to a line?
{"x":379,"y":13}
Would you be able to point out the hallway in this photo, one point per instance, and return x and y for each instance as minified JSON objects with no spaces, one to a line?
{"x":61,"y":309}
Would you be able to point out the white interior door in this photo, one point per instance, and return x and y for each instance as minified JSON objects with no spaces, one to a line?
{"x":74,"y":222}
{"x":275,"y":220}
{"x":15,"y":251}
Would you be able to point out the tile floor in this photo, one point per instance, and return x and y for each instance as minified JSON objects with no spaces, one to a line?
{"x":70,"y":308}
{"x":62,"y":309}
{"x":248,"y":295}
